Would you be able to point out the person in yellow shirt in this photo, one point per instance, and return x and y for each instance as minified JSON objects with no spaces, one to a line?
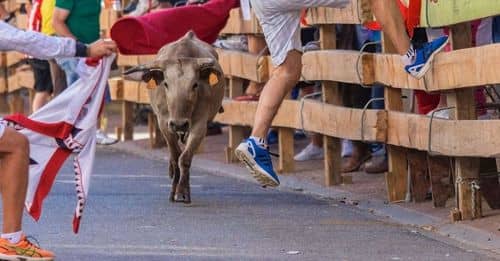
{"x":49,"y":78}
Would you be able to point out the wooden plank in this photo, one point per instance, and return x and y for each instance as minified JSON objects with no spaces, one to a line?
{"x":131,"y":91}
{"x":441,"y":183}
{"x":13,"y":58}
{"x":236,"y":24}
{"x":397,"y":176}
{"x":451,"y":70}
{"x":467,"y":169}
{"x":20,"y":79}
{"x":244,"y":65}
{"x":317,"y":117}
{"x":116,"y":88}
{"x":318,"y":65}
{"x":358,"y":12}
{"x":286,"y":150}
{"x":16,"y":103}
{"x":128,"y":120}
{"x":3,"y":80}
{"x":134,"y":60}
{"x":448,"y":137}
{"x":330,"y":95}
{"x":417,"y":164}
{"x":143,"y":93}
{"x":236,"y":133}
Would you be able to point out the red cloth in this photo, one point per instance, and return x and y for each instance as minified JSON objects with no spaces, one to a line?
{"x":148,"y":33}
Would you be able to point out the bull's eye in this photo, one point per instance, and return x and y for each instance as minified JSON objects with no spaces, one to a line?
{"x":195,"y":86}
{"x":165,"y":84}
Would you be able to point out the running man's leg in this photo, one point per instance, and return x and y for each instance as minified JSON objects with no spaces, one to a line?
{"x":14,"y":149}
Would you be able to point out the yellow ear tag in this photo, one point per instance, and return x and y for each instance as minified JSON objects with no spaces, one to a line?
{"x":213,"y":80}
{"x":151,"y":84}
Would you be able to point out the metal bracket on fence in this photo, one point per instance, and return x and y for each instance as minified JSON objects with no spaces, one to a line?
{"x":363,"y":113}
{"x":302,"y":100}
{"x":361,"y":53}
{"x":429,"y":145}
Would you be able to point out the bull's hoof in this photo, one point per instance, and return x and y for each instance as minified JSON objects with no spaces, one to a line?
{"x":172,"y":197}
{"x":182,"y":198}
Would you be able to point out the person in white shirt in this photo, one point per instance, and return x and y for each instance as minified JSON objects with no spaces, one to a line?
{"x":14,"y":147}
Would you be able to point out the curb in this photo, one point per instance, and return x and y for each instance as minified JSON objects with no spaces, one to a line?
{"x":466,"y":236}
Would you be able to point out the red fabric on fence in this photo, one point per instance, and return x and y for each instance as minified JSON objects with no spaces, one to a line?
{"x":148,"y":33}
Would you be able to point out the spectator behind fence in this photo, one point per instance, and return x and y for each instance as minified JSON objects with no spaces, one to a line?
{"x":79,"y":19}
{"x":49,"y":78}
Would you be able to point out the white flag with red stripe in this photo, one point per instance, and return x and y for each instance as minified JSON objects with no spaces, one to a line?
{"x":65,"y":127}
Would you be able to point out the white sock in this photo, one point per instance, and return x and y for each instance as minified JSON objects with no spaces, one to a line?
{"x":13,"y":238}
{"x":409,"y":57}
{"x":259,"y":141}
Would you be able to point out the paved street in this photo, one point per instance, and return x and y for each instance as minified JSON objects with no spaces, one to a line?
{"x":129,"y":217}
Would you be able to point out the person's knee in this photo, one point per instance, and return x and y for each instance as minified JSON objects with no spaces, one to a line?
{"x":291,"y":69}
{"x":14,"y":142}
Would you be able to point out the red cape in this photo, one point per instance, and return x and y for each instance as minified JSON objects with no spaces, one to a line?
{"x":148,"y":33}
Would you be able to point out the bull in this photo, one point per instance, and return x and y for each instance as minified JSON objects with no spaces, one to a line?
{"x":187,"y":89}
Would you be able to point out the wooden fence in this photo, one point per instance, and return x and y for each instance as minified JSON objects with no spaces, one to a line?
{"x":414,"y":142}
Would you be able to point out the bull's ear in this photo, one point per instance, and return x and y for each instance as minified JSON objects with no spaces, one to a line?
{"x":153,"y":78}
{"x":210,"y":71}
{"x":151,"y":75}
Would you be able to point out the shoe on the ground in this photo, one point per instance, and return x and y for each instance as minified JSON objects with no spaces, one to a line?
{"x":424,"y":57}
{"x":310,"y":152}
{"x":130,"y":6}
{"x":103,"y":139}
{"x":377,"y":165}
{"x":441,"y":114}
{"x":235,"y":42}
{"x":258,"y":161}
{"x":24,"y":250}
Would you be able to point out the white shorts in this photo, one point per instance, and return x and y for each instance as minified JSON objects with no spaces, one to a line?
{"x":2,"y":129}
{"x":280,"y":21}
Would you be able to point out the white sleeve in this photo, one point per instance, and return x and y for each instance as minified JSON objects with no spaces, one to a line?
{"x":35,"y":44}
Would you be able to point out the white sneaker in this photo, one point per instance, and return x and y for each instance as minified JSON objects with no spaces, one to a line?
{"x":143,"y":7}
{"x":103,"y":139}
{"x":310,"y":152}
{"x":442,"y":114}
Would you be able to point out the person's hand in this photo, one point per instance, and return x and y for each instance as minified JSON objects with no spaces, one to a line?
{"x":101,"y":48}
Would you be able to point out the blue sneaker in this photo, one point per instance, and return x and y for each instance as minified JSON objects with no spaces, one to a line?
{"x":258,"y":161}
{"x":424,"y":57}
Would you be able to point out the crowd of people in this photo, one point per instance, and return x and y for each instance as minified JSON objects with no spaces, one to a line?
{"x":76,"y":24}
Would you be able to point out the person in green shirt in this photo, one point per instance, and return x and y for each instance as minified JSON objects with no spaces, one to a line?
{"x":77,"y":19}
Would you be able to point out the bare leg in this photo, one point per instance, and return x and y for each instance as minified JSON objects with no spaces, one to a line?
{"x":390,"y":19}
{"x":275,"y":90}
{"x":14,"y":148}
{"x":40,"y":99}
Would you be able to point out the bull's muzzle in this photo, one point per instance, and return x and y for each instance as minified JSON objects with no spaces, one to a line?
{"x":177,"y":126}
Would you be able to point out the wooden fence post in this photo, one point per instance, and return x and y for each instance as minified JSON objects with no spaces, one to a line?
{"x":397,"y":176}
{"x":467,"y":169}
{"x":331,"y":95}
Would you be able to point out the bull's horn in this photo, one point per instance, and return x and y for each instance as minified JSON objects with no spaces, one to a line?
{"x":206,"y":62}
{"x":190,"y":34}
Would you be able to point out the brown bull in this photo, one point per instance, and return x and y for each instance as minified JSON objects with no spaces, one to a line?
{"x":188,"y":91}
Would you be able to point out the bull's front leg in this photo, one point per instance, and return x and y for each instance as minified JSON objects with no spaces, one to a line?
{"x":173,"y":168}
{"x":196,"y":136}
